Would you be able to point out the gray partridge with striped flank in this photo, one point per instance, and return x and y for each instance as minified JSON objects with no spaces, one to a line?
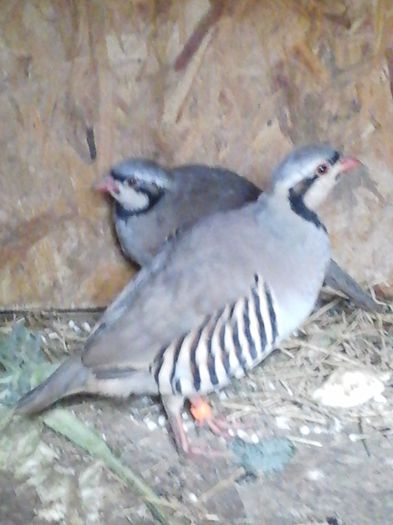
{"x":214,"y":302}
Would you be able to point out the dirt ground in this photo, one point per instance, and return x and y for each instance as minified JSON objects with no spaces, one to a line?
{"x":296,"y":461}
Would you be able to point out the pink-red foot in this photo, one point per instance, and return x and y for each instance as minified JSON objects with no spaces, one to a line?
{"x":203,"y":415}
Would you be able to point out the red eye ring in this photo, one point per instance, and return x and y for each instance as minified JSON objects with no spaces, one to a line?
{"x":322,"y":169}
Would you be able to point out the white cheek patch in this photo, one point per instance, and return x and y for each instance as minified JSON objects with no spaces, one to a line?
{"x":131,"y":199}
{"x":318,"y":192}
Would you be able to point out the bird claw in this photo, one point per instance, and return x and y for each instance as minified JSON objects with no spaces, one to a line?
{"x":219,"y":426}
{"x":203,"y":415}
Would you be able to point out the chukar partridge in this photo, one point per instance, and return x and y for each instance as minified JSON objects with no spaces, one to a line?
{"x":152,"y":203}
{"x":214,"y":302}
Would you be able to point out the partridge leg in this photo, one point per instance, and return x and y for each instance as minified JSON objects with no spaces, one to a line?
{"x":173,"y":406}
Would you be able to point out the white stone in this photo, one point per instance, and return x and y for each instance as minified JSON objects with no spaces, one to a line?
{"x":86,"y":327}
{"x":349,"y":388}
{"x":315,"y":475}
{"x":151,"y":425}
{"x":304,"y":430}
{"x":282,"y":422}
{"x":192,"y":497}
{"x":162,"y":421}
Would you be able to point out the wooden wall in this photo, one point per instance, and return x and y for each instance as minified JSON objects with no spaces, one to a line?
{"x":235,"y":83}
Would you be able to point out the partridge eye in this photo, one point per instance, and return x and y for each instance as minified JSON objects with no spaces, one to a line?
{"x":131,"y":181}
{"x":322,"y":169}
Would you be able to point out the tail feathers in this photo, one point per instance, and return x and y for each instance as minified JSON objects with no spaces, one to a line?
{"x":70,"y":378}
{"x":340,"y":280}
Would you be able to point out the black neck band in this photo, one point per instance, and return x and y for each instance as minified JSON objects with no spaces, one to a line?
{"x":297,"y":205}
{"x":124,"y":214}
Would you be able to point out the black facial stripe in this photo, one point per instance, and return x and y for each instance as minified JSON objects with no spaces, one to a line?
{"x":153,"y":199}
{"x":123,"y":213}
{"x":307,"y":184}
{"x":118,"y":177}
{"x":334,"y":158}
{"x":297,"y":205}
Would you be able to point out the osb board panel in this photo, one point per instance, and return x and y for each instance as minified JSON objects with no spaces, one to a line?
{"x":231,"y":83}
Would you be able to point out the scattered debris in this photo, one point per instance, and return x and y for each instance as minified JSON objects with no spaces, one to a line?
{"x":350,"y":388}
{"x":271,"y":404}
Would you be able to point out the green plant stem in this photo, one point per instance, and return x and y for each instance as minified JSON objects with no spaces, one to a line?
{"x":65,"y":423}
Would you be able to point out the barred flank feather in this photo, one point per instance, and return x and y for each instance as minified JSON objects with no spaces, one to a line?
{"x":227,"y":344}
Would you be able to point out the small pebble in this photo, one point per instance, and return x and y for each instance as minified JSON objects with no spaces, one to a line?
{"x":43,"y":339}
{"x":282,"y":423}
{"x":315,"y":475}
{"x":231,"y":432}
{"x":162,"y":421}
{"x":185,"y":416}
{"x":151,"y":425}
{"x":212,"y":517}
{"x":53,"y":335}
{"x":86,"y":327}
{"x":317,"y":429}
{"x":73,"y":326}
{"x":103,"y":437}
{"x":304,"y":430}
{"x":192,"y":497}
{"x":241,"y":434}
{"x":254,"y":439}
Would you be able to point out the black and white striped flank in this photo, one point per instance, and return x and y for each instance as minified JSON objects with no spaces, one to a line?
{"x":227,"y":344}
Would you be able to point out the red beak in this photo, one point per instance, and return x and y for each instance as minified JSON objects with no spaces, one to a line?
{"x":107,"y":185}
{"x":349,"y":163}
